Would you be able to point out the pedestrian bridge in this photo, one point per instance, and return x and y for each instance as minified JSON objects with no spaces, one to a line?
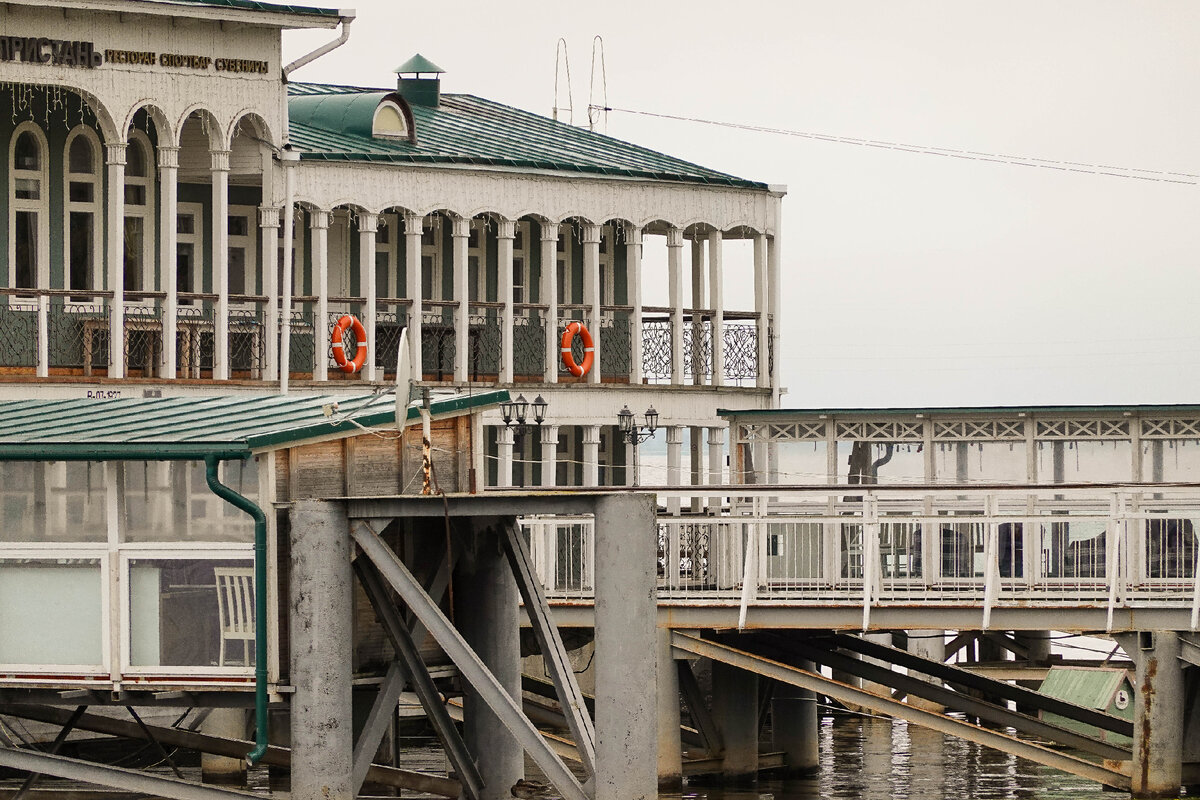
{"x":1081,"y":557}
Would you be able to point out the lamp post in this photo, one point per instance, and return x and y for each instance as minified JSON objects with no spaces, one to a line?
{"x":516,"y":410}
{"x":634,"y":433}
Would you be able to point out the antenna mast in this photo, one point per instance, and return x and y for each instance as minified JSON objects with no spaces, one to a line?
{"x":563,"y":63}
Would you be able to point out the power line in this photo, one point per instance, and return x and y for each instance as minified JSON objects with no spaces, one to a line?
{"x":1134,"y":173}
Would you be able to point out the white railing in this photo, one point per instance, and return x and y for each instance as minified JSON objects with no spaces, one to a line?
{"x":981,"y":546}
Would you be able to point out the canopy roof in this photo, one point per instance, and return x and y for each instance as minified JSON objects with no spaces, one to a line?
{"x":174,"y":428}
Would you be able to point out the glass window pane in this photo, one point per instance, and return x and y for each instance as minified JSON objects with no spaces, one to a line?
{"x":50,"y":612}
{"x":135,"y":161}
{"x":184,"y":254}
{"x":134,"y":229}
{"x":26,"y":249}
{"x":82,"y":192}
{"x":239,"y":226}
{"x":185,"y":223}
{"x":81,"y":228}
{"x":171,"y":502}
{"x":237,"y":270}
{"x":427,"y":277}
{"x":191,"y":613}
{"x":135,"y":195}
{"x":81,"y":160}
{"x":28,"y":188}
{"x":27,"y":154}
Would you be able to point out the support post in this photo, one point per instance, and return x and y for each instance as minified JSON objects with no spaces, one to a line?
{"x":674,"y":437}
{"x":504,"y":456}
{"x":367,"y":226}
{"x":321,"y":607}
{"x":548,"y":439}
{"x":1158,"y":717}
{"x":506,"y":231}
{"x":675,"y":298}
{"x":220,"y":260}
{"x":794,"y":726}
{"x":670,"y":751}
{"x":625,"y":612}
{"x":268,"y":222}
{"x":633,"y":278}
{"x":318,"y":223}
{"x":168,"y":194}
{"x":591,"y":455}
{"x":591,"y":292}
{"x":460,"y":235}
{"x":550,"y":298}
{"x":735,"y":706}
{"x":114,"y":159}
{"x":224,"y":723}
{"x":414,"y":226}
{"x":716,"y":466}
{"x":716,"y":296}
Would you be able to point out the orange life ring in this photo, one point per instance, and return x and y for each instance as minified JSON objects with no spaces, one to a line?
{"x":589,"y":350}
{"x":339,"y":350}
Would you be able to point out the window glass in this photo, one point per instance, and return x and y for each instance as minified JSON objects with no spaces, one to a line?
{"x":28,"y":188}
{"x":135,"y":161}
{"x":62,"y":595}
{"x":81,"y":159}
{"x":26,"y":249}
{"x":81,"y":263}
{"x":26,"y":153}
{"x":134,"y":247}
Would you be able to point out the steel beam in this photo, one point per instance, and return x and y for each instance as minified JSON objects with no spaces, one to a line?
{"x":694,"y":697}
{"x":954,"y":700}
{"x":971,"y":680}
{"x":427,"y":693}
{"x":379,"y":721}
{"x":129,"y":780}
{"x":468,"y":663}
{"x":55,"y":745}
{"x":885,"y":705}
{"x":557,"y":663}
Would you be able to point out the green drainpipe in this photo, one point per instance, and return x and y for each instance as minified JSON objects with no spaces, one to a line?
{"x":211,"y":462}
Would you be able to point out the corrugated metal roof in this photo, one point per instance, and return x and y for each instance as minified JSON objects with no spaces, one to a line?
{"x":964,"y":410}
{"x":191,"y":427}
{"x":1087,"y":687}
{"x":259,"y":5}
{"x":466,"y":129}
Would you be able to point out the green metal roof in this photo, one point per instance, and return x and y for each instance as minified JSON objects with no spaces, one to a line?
{"x":1087,"y":687}
{"x":465,"y":129}
{"x":169,"y":428}
{"x":418,"y":64}
{"x":259,"y":5}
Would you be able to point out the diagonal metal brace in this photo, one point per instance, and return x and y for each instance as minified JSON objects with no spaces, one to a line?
{"x":570,"y":697}
{"x":469,"y":665}
{"x":383,"y":711}
{"x":58,"y":741}
{"x":701,"y":717}
{"x":431,"y":700}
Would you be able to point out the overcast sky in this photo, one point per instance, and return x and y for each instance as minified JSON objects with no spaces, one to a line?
{"x":909,"y":279}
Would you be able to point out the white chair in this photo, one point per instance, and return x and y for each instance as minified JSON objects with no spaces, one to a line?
{"x":235,"y":607}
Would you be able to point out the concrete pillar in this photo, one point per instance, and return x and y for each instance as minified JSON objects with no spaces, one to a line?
{"x":168,"y":210}
{"x":220,"y":260}
{"x":487,"y":615}
{"x":884,"y":638}
{"x":670,"y":750}
{"x":460,"y":235}
{"x":114,"y":159}
{"x":227,"y":723}
{"x":318,"y":223}
{"x":321,"y":617}
{"x":930,"y":645}
{"x":268,"y":224}
{"x":735,"y":710}
{"x":633,"y":278}
{"x":367,"y":225}
{"x":506,"y":231}
{"x":591,"y":292}
{"x":795,"y":727}
{"x":414,"y":227}
{"x":591,"y":455}
{"x":549,"y":297}
{"x":1158,"y":717}
{"x":762,"y":308}
{"x":674,"y":436}
{"x":716,"y":465}
{"x":699,"y":302}
{"x":675,"y":295}
{"x":716,"y":296}
{"x":1038,"y":645}
{"x":696,"y":464}
{"x":504,"y":454}
{"x":548,"y":439}
{"x":625,"y":612}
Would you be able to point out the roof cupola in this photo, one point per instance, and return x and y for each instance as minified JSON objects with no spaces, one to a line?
{"x":418,"y":90}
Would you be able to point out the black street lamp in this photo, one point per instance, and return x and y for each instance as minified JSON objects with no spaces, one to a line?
{"x":517,"y":409}
{"x":635,"y":434}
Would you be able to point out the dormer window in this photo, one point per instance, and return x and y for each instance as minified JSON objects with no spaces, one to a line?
{"x":390,"y":121}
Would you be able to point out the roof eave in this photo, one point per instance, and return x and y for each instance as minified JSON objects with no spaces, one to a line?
{"x":283,"y":18}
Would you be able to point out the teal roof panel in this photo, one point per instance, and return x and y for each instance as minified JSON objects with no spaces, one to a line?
{"x":230,"y":426}
{"x":259,"y":5}
{"x":469,"y":130}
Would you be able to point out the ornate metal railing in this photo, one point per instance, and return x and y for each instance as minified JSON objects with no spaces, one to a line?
{"x":656,"y":349}
{"x":741,"y":351}
{"x":485,"y":339}
{"x":143,"y":340}
{"x":247,"y":338}
{"x":302,"y":338}
{"x":77,"y":333}
{"x":529,"y":341}
{"x":697,"y":348}
{"x":391,"y":319}
{"x":437,"y":341}
{"x":19,"y":333}
{"x":616,"y":351}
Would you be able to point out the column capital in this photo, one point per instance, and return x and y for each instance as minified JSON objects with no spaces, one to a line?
{"x":504,"y":435}
{"x":506,"y":229}
{"x":414,"y":224}
{"x":268,"y":216}
{"x":591,"y":434}
{"x":716,"y":437}
{"x":368,"y":222}
{"x":460,"y":228}
{"x":633,"y":234}
{"x":318,"y":219}
{"x":715,"y":237}
{"x":674,"y":237}
{"x":168,"y":157}
{"x":674,"y":434}
{"x":220,"y":160}
{"x":114,"y":153}
{"x":549,"y":231}
{"x":548,"y":434}
{"x":591,"y":233}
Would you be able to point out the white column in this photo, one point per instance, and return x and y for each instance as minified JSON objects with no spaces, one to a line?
{"x":773,"y":301}
{"x":220,"y":260}
{"x":114,"y":158}
{"x":367,"y":223}
{"x":462,"y":312}
{"x":591,"y":292}
{"x":268,"y":224}
{"x":699,"y":301}
{"x":591,"y":455}
{"x":674,"y":463}
{"x":318,"y":223}
{"x":716,"y":465}
{"x":506,"y":231}
{"x":550,"y":298}
{"x":675,"y":292}
{"x":762,"y":308}
{"x":633,"y":280}
{"x":168,"y":208}
{"x":717,"y":303}
{"x":504,"y":454}
{"x":548,"y":439}
{"x":414,"y":226}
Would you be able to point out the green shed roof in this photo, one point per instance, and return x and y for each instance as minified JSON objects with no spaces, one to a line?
{"x":469,"y":130}
{"x":1089,"y":687}
{"x":169,"y":428}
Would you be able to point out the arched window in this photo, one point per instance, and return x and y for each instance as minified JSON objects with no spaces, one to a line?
{"x":389,"y":121}
{"x":28,"y":214}
{"x":139,"y":213}
{"x":82,"y":208}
